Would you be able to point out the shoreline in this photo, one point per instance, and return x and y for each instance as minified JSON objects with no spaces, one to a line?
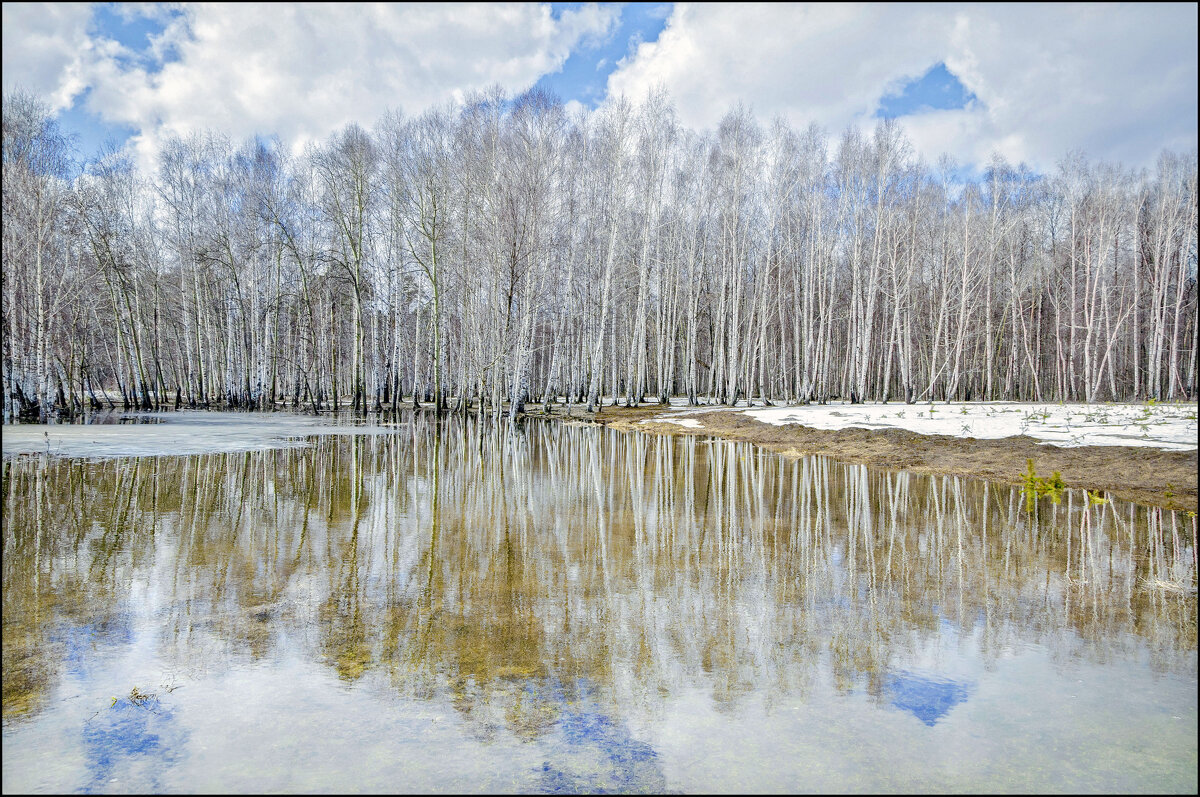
{"x":1148,"y":476}
{"x":1145,"y":475}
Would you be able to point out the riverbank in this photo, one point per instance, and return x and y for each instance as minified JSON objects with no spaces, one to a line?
{"x":983,"y":440}
{"x":1142,"y":474}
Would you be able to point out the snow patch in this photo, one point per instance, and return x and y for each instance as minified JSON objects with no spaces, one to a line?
{"x":691,"y":423}
{"x":1170,"y":427}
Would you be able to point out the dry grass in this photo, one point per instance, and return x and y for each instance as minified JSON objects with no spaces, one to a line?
{"x":1144,"y":475}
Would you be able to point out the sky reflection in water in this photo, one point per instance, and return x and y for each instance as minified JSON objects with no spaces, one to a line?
{"x":564,"y":609}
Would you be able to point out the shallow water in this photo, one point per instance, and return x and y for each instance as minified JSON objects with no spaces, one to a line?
{"x":469,"y":607}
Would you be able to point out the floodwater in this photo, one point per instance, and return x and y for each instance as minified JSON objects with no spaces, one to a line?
{"x":472,"y":607}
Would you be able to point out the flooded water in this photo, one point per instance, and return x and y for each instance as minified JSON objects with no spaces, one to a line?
{"x":471,"y":607}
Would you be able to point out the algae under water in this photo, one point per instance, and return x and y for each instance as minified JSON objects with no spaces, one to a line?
{"x":468,"y":606}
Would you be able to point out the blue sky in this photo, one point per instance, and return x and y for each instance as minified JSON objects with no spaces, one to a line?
{"x":584,"y":74}
{"x":936,"y":90}
{"x":133,"y":33}
{"x":91,"y":133}
{"x":129,"y":30}
{"x":1026,"y":82}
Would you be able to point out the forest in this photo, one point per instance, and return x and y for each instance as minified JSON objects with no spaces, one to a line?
{"x":505,"y":252}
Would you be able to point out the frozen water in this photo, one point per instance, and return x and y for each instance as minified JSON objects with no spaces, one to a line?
{"x":184,"y":432}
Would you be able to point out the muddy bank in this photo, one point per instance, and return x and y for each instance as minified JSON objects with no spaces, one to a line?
{"x":1145,"y":475}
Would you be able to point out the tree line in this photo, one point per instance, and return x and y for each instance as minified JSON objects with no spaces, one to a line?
{"x":505,"y":252}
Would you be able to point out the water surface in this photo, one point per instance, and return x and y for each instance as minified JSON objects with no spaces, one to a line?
{"x":472,"y":607}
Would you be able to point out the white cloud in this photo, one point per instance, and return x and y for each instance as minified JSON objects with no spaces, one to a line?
{"x":46,"y":49}
{"x":1119,"y":82}
{"x":303,"y":71}
{"x":808,"y":63}
{"x":299,"y":71}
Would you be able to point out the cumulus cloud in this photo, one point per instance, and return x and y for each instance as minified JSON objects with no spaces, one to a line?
{"x":303,"y":71}
{"x":807,"y":63}
{"x":1118,"y":82}
{"x":47,"y":50}
{"x":299,"y":71}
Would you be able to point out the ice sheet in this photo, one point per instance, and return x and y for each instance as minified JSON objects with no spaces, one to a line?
{"x":183,"y":432}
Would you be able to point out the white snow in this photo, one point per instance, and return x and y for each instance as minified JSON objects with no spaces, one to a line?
{"x":1165,"y":426}
{"x":689,"y":422}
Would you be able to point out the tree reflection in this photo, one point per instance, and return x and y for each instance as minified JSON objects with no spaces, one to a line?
{"x":513,"y":569}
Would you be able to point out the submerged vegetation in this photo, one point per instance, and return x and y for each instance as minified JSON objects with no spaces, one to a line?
{"x":507,"y":251}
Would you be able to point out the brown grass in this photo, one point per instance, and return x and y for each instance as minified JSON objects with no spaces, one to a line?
{"x":1145,"y":475}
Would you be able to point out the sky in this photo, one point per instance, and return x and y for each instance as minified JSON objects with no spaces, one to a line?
{"x":1028,"y":82}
